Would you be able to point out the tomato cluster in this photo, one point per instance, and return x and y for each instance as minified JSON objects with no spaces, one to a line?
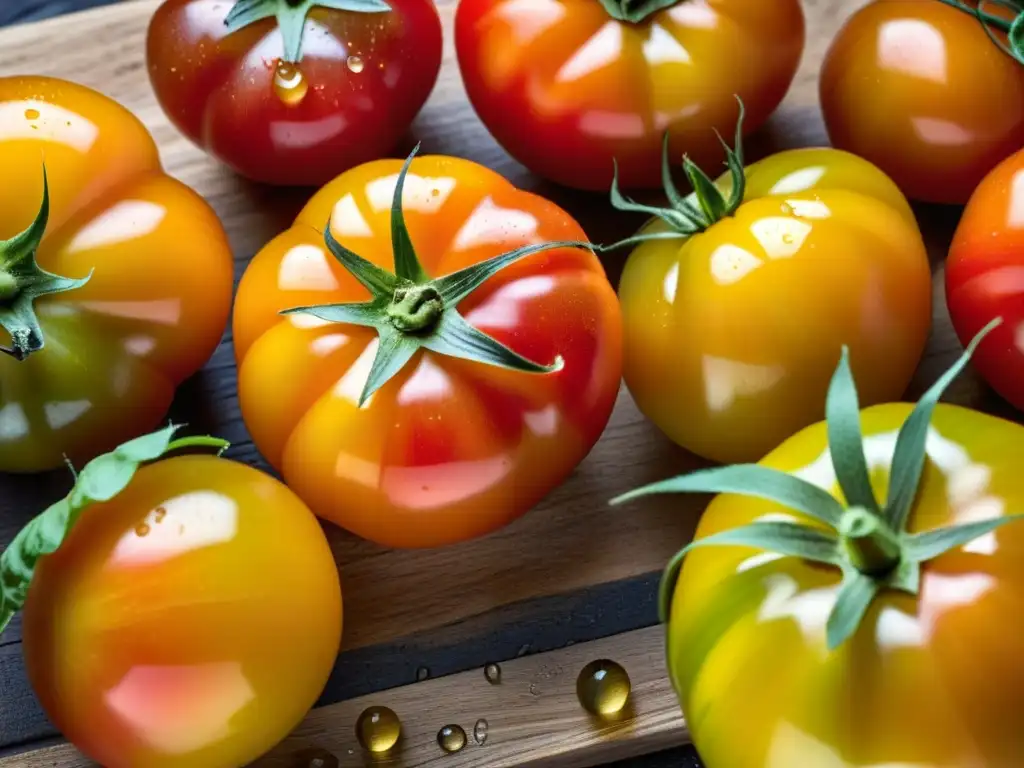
{"x":427,"y":351}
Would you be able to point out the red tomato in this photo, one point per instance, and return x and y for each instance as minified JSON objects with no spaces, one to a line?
{"x":286,"y":108}
{"x":568,"y":86}
{"x":985,"y":277}
{"x":447,"y":449}
{"x":918,"y":88}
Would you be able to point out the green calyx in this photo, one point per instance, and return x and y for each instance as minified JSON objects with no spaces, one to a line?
{"x":1013,"y":28}
{"x":635,"y":11}
{"x":411,"y":311}
{"x":100,"y":480}
{"x":22,"y":281}
{"x":696,"y":212}
{"x":867,"y":541}
{"x":291,"y":17}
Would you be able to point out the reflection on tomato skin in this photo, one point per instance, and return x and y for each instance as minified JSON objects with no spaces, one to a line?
{"x":190,"y":622}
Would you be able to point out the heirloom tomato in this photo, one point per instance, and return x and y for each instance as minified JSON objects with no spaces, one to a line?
{"x":985,"y":276}
{"x":737,"y":299}
{"x":291,"y":92}
{"x":928,"y":92}
{"x":440,"y":402}
{"x":182,"y":614}
{"x":115,"y":282}
{"x":569,"y":87}
{"x":853,"y":599}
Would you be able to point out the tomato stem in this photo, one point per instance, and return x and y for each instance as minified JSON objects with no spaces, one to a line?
{"x":416,"y":308}
{"x":870,"y":544}
{"x":198,"y":441}
{"x":1012,"y":28}
{"x":635,"y":11}
{"x":986,"y":18}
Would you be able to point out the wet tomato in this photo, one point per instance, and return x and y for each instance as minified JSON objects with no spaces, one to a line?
{"x":736,"y":301}
{"x":569,"y":86}
{"x":985,"y":276}
{"x":919,"y":88}
{"x":115,"y":279}
{"x":852,"y":600}
{"x":455,"y":392}
{"x":289,"y":98}
{"x":182,"y":614}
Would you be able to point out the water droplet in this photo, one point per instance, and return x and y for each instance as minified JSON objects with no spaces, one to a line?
{"x":786,"y":209}
{"x":314,"y":758}
{"x":523,"y":650}
{"x":480,"y":731}
{"x":289,"y":83}
{"x":355,"y":64}
{"x":493,"y":674}
{"x":159,"y":515}
{"x":378,"y":729}
{"x":422,"y":674}
{"x":787,"y":238}
{"x":603,"y":688}
{"x":435,"y":192}
{"x":142,"y":529}
{"x":31,"y":114}
{"x":451,"y":738}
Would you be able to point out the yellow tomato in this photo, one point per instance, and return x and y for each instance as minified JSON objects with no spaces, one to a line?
{"x":731,"y":333}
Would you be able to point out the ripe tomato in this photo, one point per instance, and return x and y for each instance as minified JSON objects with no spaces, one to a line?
{"x":985,"y":276}
{"x":286,"y":99}
{"x":914,"y":659}
{"x":190,"y":621}
{"x":920,"y":89}
{"x":156,"y":305}
{"x":732,"y":330}
{"x":466,"y":434}
{"x":569,"y":86}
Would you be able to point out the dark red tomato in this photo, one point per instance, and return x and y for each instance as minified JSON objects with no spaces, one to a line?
{"x":287,"y":98}
{"x":568,"y":86}
{"x":985,"y":277}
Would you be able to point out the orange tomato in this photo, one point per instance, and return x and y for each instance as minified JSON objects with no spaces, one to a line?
{"x":107,"y":355}
{"x":447,"y":449}
{"x":918,"y":88}
{"x":732,"y":332}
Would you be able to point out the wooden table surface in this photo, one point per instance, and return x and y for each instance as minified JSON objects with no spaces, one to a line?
{"x":571,"y":573}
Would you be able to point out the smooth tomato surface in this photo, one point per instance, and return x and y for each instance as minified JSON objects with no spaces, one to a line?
{"x":448,"y":449}
{"x":362,"y":79}
{"x":190,"y":622}
{"x":732,"y":335}
{"x":919,"y":89}
{"x":935,"y":680}
{"x":567,"y":89}
{"x":159,"y":297}
{"x":985,"y":277}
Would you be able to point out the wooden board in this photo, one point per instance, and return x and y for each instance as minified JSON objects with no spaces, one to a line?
{"x":570,"y":572}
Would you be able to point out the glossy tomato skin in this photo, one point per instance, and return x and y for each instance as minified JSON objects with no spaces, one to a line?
{"x":919,"y":89}
{"x":447,"y":450}
{"x":936,"y":680}
{"x":985,"y":277}
{"x":365,"y":77}
{"x":732,"y":336}
{"x":160,"y":293}
{"x":191,"y":622}
{"x":566,"y":89}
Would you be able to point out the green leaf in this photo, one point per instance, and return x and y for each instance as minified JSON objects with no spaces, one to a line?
{"x":779,"y":536}
{"x":855,"y":595}
{"x":377,"y":280}
{"x":668,"y":183}
{"x":456,"y":286}
{"x":641,"y":237}
{"x":246,"y":12}
{"x":635,"y":11}
{"x":21,"y":248}
{"x":667,"y":586}
{"x":736,"y":164}
{"x":909,"y":456}
{"x":845,"y":440}
{"x":709,"y":196}
{"x":366,"y":313}
{"x":755,"y":481}
{"x":1016,"y":36}
{"x":927,"y":545}
{"x":407,"y":264}
{"x":682,"y":221}
{"x":394,"y":350}
{"x":455,"y":337}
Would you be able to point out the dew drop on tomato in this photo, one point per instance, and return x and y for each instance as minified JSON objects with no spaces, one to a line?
{"x":289,"y":83}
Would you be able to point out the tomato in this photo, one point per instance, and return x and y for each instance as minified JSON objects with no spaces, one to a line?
{"x":732,"y":327}
{"x":985,"y":276}
{"x":486,"y":388}
{"x":288,"y":99}
{"x":914,"y":659}
{"x":189,"y":621}
{"x":569,"y":86}
{"x":95,"y":360}
{"x":920,"y":89}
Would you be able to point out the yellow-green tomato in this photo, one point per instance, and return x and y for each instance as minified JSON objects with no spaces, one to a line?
{"x":189,"y":622}
{"x":731,"y":335}
{"x":928,"y":681}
